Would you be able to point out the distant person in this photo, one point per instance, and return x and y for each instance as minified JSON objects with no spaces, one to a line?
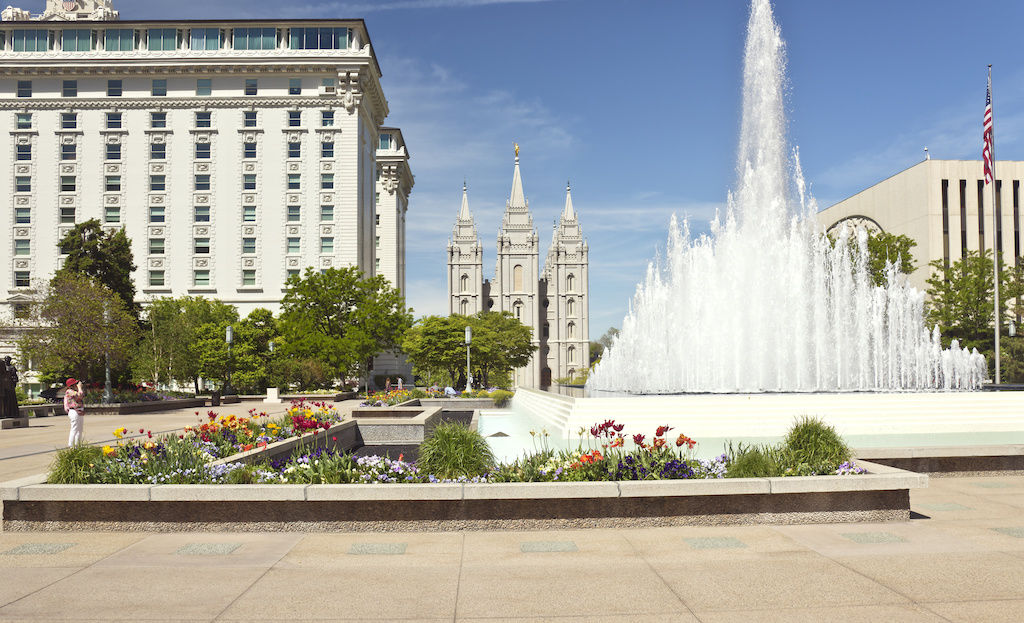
{"x":74,"y":404}
{"x":450,"y":391}
{"x":399,"y":383}
{"x":8,"y":389}
{"x":387,"y":385}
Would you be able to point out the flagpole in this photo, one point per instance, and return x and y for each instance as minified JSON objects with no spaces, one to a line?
{"x":995,"y":221}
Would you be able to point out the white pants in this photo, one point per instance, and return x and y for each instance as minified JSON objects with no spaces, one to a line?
{"x":77,"y":428}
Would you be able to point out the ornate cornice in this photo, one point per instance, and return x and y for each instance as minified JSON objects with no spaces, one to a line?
{"x":107,"y":103}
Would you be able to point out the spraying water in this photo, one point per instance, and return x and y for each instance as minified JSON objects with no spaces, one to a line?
{"x":766,"y":302}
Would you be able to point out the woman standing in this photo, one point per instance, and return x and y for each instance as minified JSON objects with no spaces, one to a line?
{"x":74,"y":404}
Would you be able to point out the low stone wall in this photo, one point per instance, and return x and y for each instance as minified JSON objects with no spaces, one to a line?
{"x":950,"y":460}
{"x":117,"y":408}
{"x":395,"y":425}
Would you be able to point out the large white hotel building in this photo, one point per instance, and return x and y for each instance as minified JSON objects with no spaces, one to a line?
{"x":233,"y":152}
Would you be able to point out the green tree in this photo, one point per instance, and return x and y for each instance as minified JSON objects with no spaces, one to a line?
{"x":884,"y":248}
{"x":962,"y":298}
{"x":436,"y":347}
{"x":76,"y":325}
{"x":341,"y":319}
{"x":105,"y":257}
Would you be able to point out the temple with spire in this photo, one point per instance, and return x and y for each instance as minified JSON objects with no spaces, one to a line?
{"x":552,"y":301}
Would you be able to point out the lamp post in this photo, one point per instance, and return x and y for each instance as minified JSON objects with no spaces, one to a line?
{"x":108,"y":396}
{"x":469,"y":370}
{"x":229,"y":336}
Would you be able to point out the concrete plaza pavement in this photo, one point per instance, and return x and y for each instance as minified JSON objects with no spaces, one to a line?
{"x":960,"y":559}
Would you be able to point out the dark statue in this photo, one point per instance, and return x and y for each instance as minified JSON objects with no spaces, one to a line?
{"x":8,"y":383}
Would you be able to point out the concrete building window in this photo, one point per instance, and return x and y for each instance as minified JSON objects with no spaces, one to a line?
{"x":30,"y":41}
{"x":294,"y":150}
{"x":248,"y":277}
{"x":944,"y":190}
{"x":67,"y":183}
{"x":204,"y":86}
{"x":376,"y":200}
{"x":249,"y":246}
{"x":385,"y":141}
{"x":22,"y":216}
{"x":248,"y":214}
{"x":23,"y":184}
{"x":327,"y":118}
{"x":376,"y":264}
{"x":24,"y":120}
{"x":569,"y":282}
{"x":254,"y":38}
{"x":294,"y":118}
{"x":156,"y":246}
{"x":68,"y":121}
{"x":22,"y":279}
{"x":201,"y":246}
{"x":202,"y":151}
{"x":158,"y":120}
{"x":113,"y":151}
{"x":162,"y":39}
{"x":202,"y":182}
{"x":295,"y":86}
{"x":252,"y":86}
{"x":294,"y":214}
{"x":157,"y":183}
{"x":68,"y":151}
{"x":119,"y":40}
{"x":69,"y":88}
{"x":67,"y":215}
{"x":326,"y":214}
{"x":22,"y":246}
{"x":318,"y":38}
{"x":112,"y":183}
{"x":327,"y":149}
{"x":111,"y":214}
{"x":24,"y":88}
{"x":293,"y":246}
{"x":24,"y":152}
{"x":326,"y":181}
{"x":292,"y":273}
{"x":249,"y":181}
{"x":249,"y":118}
{"x":294,"y":181}
{"x":113,"y":121}
{"x":204,"y":119}
{"x":75,"y":40}
{"x":201,"y":278}
{"x":158,"y":151}
{"x":326,"y":245}
{"x":156,"y":278}
{"x":963,"y":218}
{"x":376,"y":242}
{"x":157,"y":214}
{"x":376,"y":220}
{"x":205,"y":39}
{"x":201,"y":214}
{"x":115,"y":88}
{"x":570,"y":307}
{"x":248,"y":150}
{"x":517,"y":278}
{"x":159,"y":88}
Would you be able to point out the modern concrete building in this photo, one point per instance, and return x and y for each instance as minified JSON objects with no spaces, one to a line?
{"x":233,"y":152}
{"x":552,"y":301}
{"x":945,"y":206}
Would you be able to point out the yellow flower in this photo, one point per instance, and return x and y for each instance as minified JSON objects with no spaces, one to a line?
{"x":107,"y":451}
{"x":120,"y":432}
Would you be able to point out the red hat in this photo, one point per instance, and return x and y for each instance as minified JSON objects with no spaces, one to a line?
{"x":70,"y":382}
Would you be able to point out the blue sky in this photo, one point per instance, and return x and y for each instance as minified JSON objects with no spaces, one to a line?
{"x":637,"y":102}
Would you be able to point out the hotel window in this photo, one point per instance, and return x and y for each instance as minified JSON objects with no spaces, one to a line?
{"x":248,"y":277}
{"x":23,"y":184}
{"x":254,"y":38}
{"x":376,"y":264}
{"x":111,"y":215}
{"x":294,"y":118}
{"x":327,"y":149}
{"x":327,"y":118}
{"x":24,"y":88}
{"x":69,"y":88}
{"x":24,"y":121}
{"x":158,"y":120}
{"x":68,"y":121}
{"x":31,"y":40}
{"x":201,"y":214}
{"x":294,"y":181}
{"x":156,"y":246}
{"x":22,"y":216}
{"x":204,"y":86}
{"x":201,"y":278}
{"x":295,"y":86}
{"x":202,"y":151}
{"x":75,"y":40}
{"x":328,"y":82}
{"x":162,"y":39}
{"x":249,"y":181}
{"x":113,"y":184}
{"x":326,"y":213}
{"x":24,"y":152}
{"x":294,"y":150}
{"x":157,"y":214}
{"x":326,"y":181}
{"x":249,"y":118}
{"x":293,"y":246}
{"x":318,"y":38}
{"x":248,"y":150}
{"x":327,"y":245}
{"x":249,"y":245}
{"x":248,"y":214}
{"x":294,"y":214}
{"x":292,"y":273}
{"x":159,"y":88}
{"x":157,"y":183}
{"x":113,"y":151}
{"x":376,"y":220}
{"x":205,"y":39}
{"x":158,"y":151}
{"x":156,"y":278}
{"x":202,"y":182}
{"x":204,"y":119}
{"x":201,"y":246}
{"x":113,"y":121}
{"x":68,"y":151}
{"x":115,"y":88}
{"x":376,"y":200}
{"x":22,"y":279}
{"x":376,"y":242}
{"x":67,"y":215}
{"x":119,"y":40}
{"x":67,"y":183}
{"x":385,"y":141}
{"x":252,"y":86}
{"x":23,"y":246}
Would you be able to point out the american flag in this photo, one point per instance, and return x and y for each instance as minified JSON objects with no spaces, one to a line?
{"x":986,"y":150}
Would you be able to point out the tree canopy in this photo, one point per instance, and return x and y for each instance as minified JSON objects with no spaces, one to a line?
{"x":106,"y":257}
{"x":884,"y":248}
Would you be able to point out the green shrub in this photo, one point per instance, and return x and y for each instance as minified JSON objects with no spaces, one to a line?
{"x":753,"y":461}
{"x":245,"y":475}
{"x":75,"y":465}
{"x":452,"y":450}
{"x":811,"y":445}
{"x":501,"y":397}
{"x":21,"y":395}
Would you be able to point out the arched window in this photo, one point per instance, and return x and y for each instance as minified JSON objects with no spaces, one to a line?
{"x":569,"y":279}
{"x":570,"y":307}
{"x":465,"y":283}
{"x":464,"y":307}
{"x":571,"y":330}
{"x":517,"y":278}
{"x":571,"y":354}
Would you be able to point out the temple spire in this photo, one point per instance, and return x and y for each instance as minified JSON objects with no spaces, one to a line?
{"x":517,"y":199}
{"x":569,"y":213}
{"x":464,"y":214}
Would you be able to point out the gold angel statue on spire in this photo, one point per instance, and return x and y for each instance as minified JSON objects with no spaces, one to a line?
{"x":517,"y":149}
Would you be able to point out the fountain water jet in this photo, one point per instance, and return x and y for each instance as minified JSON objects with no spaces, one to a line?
{"x":766,"y":302}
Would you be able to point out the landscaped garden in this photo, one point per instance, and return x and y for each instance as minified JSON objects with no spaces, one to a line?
{"x":393,"y":397}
